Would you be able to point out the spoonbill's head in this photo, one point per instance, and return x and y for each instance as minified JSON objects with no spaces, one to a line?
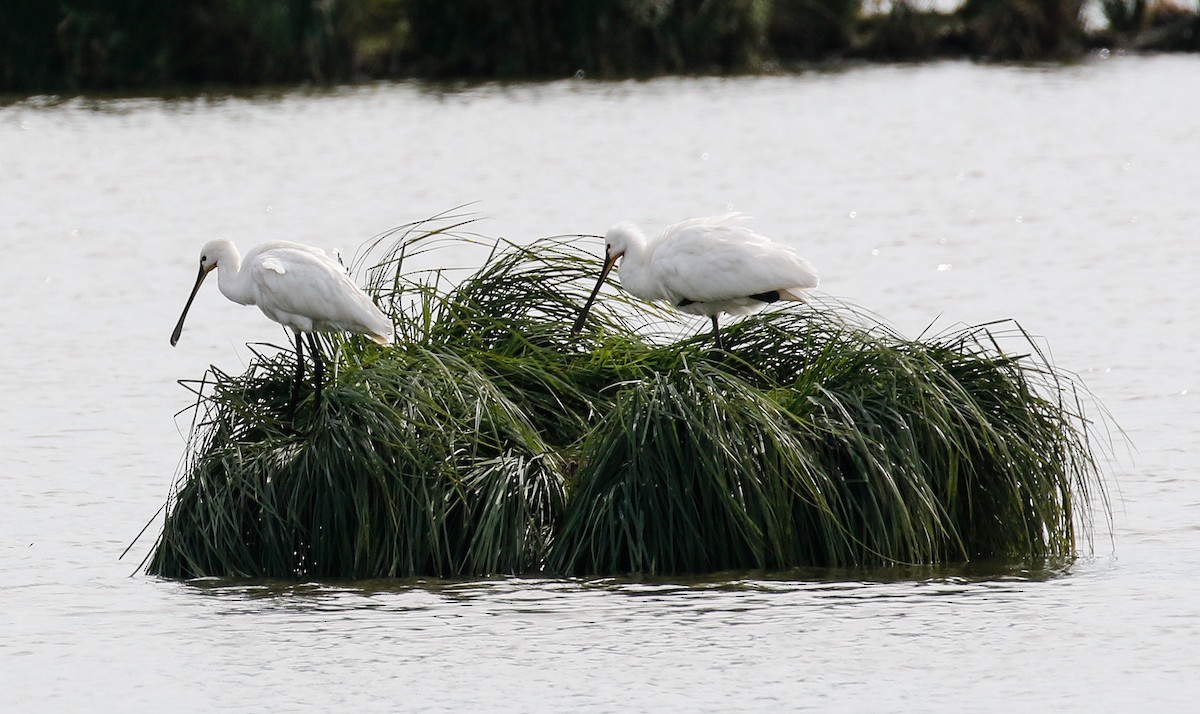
{"x":214,"y":252}
{"x":619,"y":239}
{"x":211,"y":254}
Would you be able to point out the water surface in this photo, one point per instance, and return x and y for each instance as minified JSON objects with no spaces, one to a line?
{"x":931,"y":194}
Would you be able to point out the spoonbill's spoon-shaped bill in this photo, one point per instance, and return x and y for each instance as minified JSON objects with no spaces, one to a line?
{"x":297,"y":286}
{"x":703,"y":266}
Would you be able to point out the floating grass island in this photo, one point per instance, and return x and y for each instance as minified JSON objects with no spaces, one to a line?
{"x":491,"y":441}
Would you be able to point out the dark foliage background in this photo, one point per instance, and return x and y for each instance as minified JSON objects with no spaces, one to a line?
{"x":87,"y":45}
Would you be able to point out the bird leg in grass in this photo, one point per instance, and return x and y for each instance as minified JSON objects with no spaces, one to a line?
{"x":318,"y":365}
{"x":716,"y":329}
{"x":299,"y":376}
{"x":717,"y":333}
{"x":768,"y":297}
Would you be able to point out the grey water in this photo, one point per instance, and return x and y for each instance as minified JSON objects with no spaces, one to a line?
{"x":933,"y":195}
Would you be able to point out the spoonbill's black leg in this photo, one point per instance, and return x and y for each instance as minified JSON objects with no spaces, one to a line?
{"x":318,"y":365}
{"x":299,"y":376}
{"x":717,"y":333}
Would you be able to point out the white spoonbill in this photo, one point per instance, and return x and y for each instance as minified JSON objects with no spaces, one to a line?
{"x":297,"y":286}
{"x":704,"y":266}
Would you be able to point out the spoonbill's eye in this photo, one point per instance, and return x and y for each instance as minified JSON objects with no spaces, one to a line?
{"x":204,"y":259}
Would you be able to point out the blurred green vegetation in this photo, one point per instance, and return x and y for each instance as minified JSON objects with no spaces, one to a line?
{"x":81,"y":45}
{"x":123,"y":44}
{"x":1163,"y":26}
{"x":605,"y":37}
{"x":1025,"y":29}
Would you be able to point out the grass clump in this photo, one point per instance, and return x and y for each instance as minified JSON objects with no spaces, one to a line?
{"x":414,"y":464}
{"x":489,"y":440}
{"x":825,"y":442}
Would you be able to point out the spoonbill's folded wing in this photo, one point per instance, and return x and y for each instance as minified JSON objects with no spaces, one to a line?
{"x":313,"y":293}
{"x":705,"y":263}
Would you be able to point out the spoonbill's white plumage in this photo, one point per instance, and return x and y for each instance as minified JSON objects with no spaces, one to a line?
{"x":704,"y":266}
{"x":297,"y":286}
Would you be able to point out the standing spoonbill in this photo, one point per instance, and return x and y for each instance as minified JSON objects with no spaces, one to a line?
{"x":297,"y":286}
{"x":704,"y":266}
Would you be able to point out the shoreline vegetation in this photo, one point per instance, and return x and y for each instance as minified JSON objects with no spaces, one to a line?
{"x":490,"y":440}
{"x":144,"y":45}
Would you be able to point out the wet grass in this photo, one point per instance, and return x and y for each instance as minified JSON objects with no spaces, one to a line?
{"x":826,"y":443}
{"x":490,"y":441}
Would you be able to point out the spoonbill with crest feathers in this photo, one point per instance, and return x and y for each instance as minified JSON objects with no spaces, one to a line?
{"x":704,"y":266}
{"x":297,"y":286}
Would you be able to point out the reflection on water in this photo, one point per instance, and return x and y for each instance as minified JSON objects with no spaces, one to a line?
{"x":868,"y":583}
{"x":739,"y":642}
{"x":944,"y":193}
